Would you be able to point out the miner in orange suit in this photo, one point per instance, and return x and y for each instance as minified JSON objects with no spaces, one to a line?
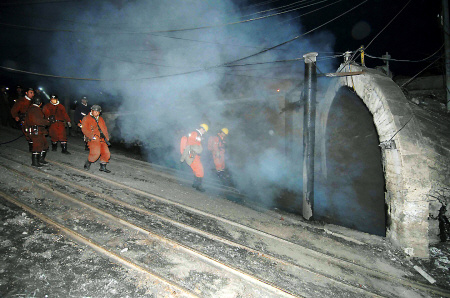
{"x":191,"y":155}
{"x":19,"y":110}
{"x":216,"y":145}
{"x":35,"y":127}
{"x":96,"y":134}
{"x":58,"y":117}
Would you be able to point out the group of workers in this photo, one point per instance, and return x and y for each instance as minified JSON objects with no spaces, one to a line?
{"x":37,"y":122}
{"x":192,"y":149}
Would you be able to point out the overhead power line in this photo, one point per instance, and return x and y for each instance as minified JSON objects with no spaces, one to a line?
{"x":405,"y":60}
{"x":295,"y":5}
{"x":151,"y":32}
{"x":297,"y":37}
{"x":198,"y":70}
{"x":354,"y":56}
{"x":388,"y":24}
{"x":20,"y":3}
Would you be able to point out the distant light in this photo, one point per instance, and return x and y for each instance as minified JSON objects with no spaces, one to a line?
{"x":278,"y":90}
{"x":40,"y":88}
{"x":7,"y":88}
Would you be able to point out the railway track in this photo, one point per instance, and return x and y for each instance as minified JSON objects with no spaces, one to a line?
{"x":191,"y":273}
{"x":208,"y":237}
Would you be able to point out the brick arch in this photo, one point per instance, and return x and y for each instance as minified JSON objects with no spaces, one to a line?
{"x":405,"y":169}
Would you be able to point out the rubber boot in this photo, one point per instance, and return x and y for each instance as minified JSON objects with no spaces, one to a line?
{"x":103,"y":168}
{"x":199,"y":185}
{"x":64,"y":148}
{"x":195,"y":184}
{"x":54,"y":146}
{"x":42,"y":160}
{"x":30,"y":146}
{"x":35,"y":159}
{"x":87,"y":165}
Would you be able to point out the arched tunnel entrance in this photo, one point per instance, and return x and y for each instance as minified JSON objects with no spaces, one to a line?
{"x":351,"y":190}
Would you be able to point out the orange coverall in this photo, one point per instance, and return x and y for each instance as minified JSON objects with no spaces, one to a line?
{"x":57,"y":130}
{"x":19,"y":109}
{"x":218,"y":153}
{"x":97,"y":145}
{"x":35,"y":118}
{"x":195,"y":138}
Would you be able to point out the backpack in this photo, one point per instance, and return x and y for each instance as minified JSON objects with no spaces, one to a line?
{"x":211,"y":143}
{"x":183,"y":144}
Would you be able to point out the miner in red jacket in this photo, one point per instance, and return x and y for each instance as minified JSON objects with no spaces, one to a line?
{"x":217,"y":146}
{"x":191,"y":155}
{"x":35,"y":123}
{"x":19,"y":110}
{"x":96,"y":134}
{"x":58,"y":117}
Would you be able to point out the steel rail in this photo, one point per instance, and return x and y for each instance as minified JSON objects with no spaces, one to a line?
{"x":331,"y":258}
{"x":238,"y":272}
{"x":351,"y":265}
{"x":199,"y":231}
{"x":77,"y":237}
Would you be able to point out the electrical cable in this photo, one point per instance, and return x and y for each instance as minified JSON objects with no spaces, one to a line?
{"x":352,"y":59}
{"x":320,"y":8}
{"x":365,"y":48}
{"x":193,"y":71}
{"x":122,"y":80}
{"x":297,"y":37}
{"x":165,"y":36}
{"x":151,"y":32}
{"x":12,"y":140}
{"x":284,"y":6}
{"x":257,"y":4}
{"x":258,"y":63}
{"x":17,"y":3}
{"x":399,"y":60}
{"x":411,"y":79}
{"x":407,"y":82}
{"x":156,"y":77}
{"x":412,"y":116}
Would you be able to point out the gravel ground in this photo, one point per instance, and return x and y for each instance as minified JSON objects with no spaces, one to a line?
{"x":35,"y":261}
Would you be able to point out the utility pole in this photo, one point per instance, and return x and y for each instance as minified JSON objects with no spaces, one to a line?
{"x":445,"y":20}
{"x":309,"y":125}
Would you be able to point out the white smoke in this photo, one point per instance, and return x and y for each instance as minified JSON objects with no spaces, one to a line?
{"x":167,"y":83}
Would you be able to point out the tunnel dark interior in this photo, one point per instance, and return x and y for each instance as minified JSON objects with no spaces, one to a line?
{"x":351,"y":192}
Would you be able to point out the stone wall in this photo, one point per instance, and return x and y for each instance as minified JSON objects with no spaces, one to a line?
{"x":415,"y":152}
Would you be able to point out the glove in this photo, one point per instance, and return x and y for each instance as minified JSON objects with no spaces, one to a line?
{"x":69,"y":124}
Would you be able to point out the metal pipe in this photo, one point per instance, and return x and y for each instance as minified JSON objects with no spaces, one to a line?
{"x":446,"y":26}
{"x":309,"y":124}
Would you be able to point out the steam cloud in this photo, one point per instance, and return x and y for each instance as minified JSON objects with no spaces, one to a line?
{"x":119,"y":43}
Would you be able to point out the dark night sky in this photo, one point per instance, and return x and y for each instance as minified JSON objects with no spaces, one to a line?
{"x":415,"y":34}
